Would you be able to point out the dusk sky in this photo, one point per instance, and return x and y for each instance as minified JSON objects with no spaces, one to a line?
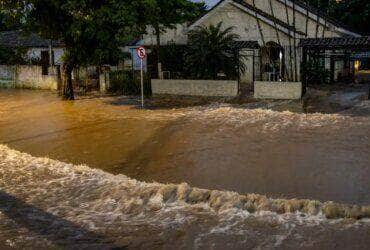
{"x":210,"y":3}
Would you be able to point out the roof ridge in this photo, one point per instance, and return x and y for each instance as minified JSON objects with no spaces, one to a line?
{"x":19,"y":38}
{"x":267,"y":15}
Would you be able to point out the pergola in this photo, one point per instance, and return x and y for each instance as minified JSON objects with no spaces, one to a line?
{"x":337,"y":48}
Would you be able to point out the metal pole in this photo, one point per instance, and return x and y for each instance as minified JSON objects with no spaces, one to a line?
{"x":142,"y":84}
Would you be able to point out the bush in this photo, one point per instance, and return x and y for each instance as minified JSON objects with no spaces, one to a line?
{"x":128,"y":83}
{"x":11,"y":56}
{"x":211,"y":53}
{"x":172,"y":57}
{"x":315,"y":72}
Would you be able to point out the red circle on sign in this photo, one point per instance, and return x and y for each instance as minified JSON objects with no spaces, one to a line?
{"x":141,"y":52}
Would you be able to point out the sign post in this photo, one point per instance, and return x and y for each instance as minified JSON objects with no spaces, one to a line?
{"x":141,"y":52}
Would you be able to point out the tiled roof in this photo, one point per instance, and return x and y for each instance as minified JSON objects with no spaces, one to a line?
{"x":18,"y":39}
{"x":336,"y":42}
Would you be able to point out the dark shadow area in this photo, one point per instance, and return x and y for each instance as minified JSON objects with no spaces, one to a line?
{"x":57,"y":132}
{"x":60,"y":232}
{"x":308,"y":105}
{"x":166,"y":102}
{"x":136,"y":164}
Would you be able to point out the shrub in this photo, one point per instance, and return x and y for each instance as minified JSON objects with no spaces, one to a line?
{"x":172,"y":57}
{"x":315,"y":72}
{"x":211,"y":52}
{"x":128,"y":83}
{"x":12,"y":56}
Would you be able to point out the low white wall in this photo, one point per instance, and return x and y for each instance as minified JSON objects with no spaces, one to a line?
{"x":195,"y":87}
{"x":278,"y":90}
{"x":24,"y":76}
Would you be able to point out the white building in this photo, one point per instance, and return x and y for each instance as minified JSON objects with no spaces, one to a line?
{"x":38,"y":49}
{"x":276,"y":25}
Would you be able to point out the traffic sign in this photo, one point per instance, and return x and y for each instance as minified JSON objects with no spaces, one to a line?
{"x":141,"y":52}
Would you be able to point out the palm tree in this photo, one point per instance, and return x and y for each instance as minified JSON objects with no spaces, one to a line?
{"x":211,"y":51}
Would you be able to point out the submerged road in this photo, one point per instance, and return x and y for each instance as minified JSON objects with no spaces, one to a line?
{"x":48,"y":204}
{"x":281,"y":154}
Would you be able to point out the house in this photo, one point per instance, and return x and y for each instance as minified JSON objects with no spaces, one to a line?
{"x":44,"y":51}
{"x":277,"y":26}
{"x":41,"y":54}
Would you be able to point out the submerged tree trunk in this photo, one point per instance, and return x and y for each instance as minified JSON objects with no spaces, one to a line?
{"x":67,"y":85}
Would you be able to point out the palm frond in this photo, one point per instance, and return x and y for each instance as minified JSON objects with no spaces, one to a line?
{"x":211,"y":51}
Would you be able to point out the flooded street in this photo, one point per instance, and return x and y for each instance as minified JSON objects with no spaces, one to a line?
{"x":48,"y":204}
{"x":280,"y":154}
{"x":314,"y":158}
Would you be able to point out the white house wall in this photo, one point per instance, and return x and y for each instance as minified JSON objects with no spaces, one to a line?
{"x":58,"y":54}
{"x":35,"y":54}
{"x":245,"y":25}
{"x":243,"y":19}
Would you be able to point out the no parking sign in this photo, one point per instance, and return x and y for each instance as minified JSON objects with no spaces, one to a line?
{"x":141,"y":53}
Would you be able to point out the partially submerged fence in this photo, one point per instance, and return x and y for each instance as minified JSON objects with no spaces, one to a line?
{"x":225,"y":88}
{"x":278,"y":90}
{"x":28,"y":76}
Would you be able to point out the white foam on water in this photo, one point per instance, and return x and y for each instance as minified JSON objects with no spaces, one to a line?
{"x":270,"y":120}
{"x":94,"y":189}
{"x":95,"y":199}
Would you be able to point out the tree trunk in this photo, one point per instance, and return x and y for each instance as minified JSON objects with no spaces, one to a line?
{"x":157,"y":48}
{"x":295,"y":43}
{"x":67,"y":85}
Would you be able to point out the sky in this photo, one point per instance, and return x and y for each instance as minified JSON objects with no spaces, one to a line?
{"x":210,"y":3}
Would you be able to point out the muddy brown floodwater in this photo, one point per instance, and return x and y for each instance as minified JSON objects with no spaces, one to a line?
{"x":280,"y":154}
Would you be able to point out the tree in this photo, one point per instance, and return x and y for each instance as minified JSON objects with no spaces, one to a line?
{"x":211,"y":51}
{"x":91,"y":30}
{"x":10,"y":56}
{"x":353,"y":13}
{"x":8,"y":21}
{"x":168,"y":13}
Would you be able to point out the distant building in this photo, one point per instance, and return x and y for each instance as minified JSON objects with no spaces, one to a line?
{"x":38,"y":49}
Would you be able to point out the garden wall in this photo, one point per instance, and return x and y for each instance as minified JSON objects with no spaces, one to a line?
{"x":278,"y":90}
{"x":195,"y":87}
{"x":25,"y":76}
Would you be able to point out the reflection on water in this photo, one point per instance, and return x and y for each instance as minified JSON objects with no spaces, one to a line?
{"x":280,"y":154}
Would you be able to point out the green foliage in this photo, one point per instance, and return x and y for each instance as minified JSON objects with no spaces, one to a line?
{"x":211,"y":52}
{"x":315,"y":72}
{"x":92,"y":31}
{"x":167,"y":13}
{"x":11,"y":56}
{"x":353,"y":13}
{"x":172,"y":58}
{"x":128,"y":83}
{"x":8,"y":21}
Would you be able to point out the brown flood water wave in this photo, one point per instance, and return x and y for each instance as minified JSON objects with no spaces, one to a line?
{"x":92,"y":208}
{"x":280,"y":154}
{"x":22,"y":171}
